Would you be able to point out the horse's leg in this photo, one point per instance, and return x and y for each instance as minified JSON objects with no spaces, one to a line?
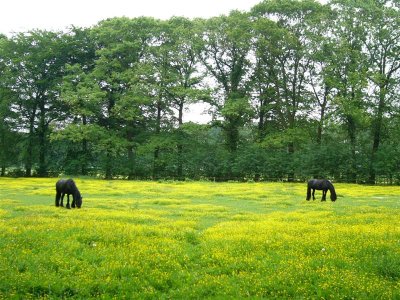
{"x":68,"y":201}
{"x":308,"y":194}
{"x":73,"y":201}
{"x":62,"y":199}
{"x":324,"y":195}
{"x":58,"y":195}
{"x":313,"y":194}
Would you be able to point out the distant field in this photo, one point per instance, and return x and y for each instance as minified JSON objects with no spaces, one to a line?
{"x":149,"y":240}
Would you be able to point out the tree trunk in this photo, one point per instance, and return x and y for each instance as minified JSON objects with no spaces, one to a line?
{"x":42,"y":170}
{"x":376,"y":133}
{"x":180,"y":145}
{"x":131,"y":156}
{"x":322,"y":115}
{"x":85,"y":151}
{"x":351,"y":130}
{"x":290,"y":175}
{"x":108,"y":166}
{"x":131,"y":150}
{"x":156,"y":164}
{"x":29,"y":149}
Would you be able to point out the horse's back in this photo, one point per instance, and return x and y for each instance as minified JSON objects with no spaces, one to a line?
{"x":313,"y":183}
{"x":319,"y":183}
{"x":65,"y":186}
{"x":60,"y":184}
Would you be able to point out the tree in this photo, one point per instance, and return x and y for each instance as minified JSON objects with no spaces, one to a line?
{"x":286,"y":62}
{"x":79,"y":97}
{"x":8,"y":129}
{"x":121,"y":46}
{"x":35,"y":62}
{"x":176,"y":66}
{"x":382,"y":47}
{"x":347,"y":77}
{"x":224,"y":48}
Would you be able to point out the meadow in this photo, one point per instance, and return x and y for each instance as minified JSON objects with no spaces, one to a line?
{"x":198,"y":240}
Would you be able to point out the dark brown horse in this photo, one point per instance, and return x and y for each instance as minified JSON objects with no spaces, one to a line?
{"x":320,"y":184}
{"x":68,"y":187}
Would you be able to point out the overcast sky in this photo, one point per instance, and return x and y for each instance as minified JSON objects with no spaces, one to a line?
{"x":24,"y":15}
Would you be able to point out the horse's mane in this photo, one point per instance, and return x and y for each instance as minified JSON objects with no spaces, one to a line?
{"x":332,"y":190}
{"x":71,"y":183}
{"x":74,"y":187}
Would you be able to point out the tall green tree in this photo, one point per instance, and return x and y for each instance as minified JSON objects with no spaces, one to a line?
{"x":36,"y":61}
{"x":382,"y":47}
{"x":178,"y":80}
{"x":265,"y":78}
{"x":119,"y":72}
{"x":286,"y":62}
{"x":225,"y":49}
{"x":347,"y":77}
{"x":8,"y":126}
{"x":79,"y":97}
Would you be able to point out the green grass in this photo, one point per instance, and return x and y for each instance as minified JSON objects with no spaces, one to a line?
{"x":149,"y":240}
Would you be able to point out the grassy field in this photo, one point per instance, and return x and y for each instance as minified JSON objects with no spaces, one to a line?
{"x":173,"y":240}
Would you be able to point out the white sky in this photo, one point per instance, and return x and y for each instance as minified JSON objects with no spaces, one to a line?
{"x":24,"y":15}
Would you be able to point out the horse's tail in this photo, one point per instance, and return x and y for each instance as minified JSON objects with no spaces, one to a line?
{"x":58,"y":196}
{"x":332,"y":190}
{"x":59,"y":190}
{"x":308,"y":192}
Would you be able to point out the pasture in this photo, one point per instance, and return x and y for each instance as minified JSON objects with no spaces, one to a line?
{"x":193,"y":240}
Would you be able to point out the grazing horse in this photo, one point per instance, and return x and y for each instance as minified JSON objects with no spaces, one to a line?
{"x":68,"y":186}
{"x":320,"y":184}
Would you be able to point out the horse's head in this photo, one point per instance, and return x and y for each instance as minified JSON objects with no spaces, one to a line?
{"x":78,"y":201}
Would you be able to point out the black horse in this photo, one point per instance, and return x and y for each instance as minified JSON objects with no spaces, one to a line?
{"x":68,"y":187}
{"x":320,"y":184}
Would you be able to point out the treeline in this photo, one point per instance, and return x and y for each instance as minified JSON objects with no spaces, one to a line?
{"x":295,"y":89}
